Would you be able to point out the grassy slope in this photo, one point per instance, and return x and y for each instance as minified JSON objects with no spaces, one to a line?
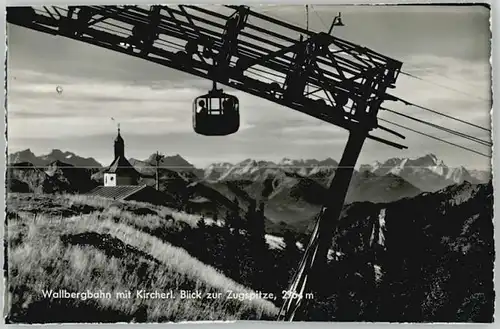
{"x":78,"y":243}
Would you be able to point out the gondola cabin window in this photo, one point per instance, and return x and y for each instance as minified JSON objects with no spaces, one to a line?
{"x":215,"y":106}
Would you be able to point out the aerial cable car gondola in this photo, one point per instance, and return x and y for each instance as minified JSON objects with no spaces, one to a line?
{"x":216,"y":113}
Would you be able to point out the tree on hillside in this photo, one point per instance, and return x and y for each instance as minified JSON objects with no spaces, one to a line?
{"x":291,"y":254}
{"x":202,"y":241}
{"x":255,"y":224}
{"x":158,"y":158}
{"x":233,"y":219}
{"x":231,"y":239}
{"x":258,"y":252}
{"x":289,"y":240}
{"x":233,"y":253}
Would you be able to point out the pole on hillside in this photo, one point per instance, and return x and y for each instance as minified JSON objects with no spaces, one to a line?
{"x":158,"y":158}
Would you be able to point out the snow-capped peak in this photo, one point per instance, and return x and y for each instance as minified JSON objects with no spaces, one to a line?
{"x":219,"y":165}
{"x":375,"y":165}
{"x":286,"y":162}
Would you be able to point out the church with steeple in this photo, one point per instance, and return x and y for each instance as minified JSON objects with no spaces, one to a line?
{"x":120,"y":172}
{"x":121,"y":180}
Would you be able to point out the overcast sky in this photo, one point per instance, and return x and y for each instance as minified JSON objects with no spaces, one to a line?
{"x":448,"y":46}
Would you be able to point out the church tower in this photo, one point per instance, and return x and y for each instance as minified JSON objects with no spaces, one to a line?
{"x":119,"y":145}
{"x":120,"y":172}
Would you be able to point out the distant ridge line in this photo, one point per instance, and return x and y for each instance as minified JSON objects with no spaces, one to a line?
{"x":224,"y":167}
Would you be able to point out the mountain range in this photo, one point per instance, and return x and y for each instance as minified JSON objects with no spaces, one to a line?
{"x":54,"y":155}
{"x":174,"y":163}
{"x":292,"y":190}
{"x":428,"y":173}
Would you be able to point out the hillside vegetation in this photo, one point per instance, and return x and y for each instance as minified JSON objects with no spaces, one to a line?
{"x":78,"y":243}
{"x":423,"y":259}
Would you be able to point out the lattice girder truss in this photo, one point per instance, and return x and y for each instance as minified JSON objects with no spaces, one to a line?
{"x":317,"y":74}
